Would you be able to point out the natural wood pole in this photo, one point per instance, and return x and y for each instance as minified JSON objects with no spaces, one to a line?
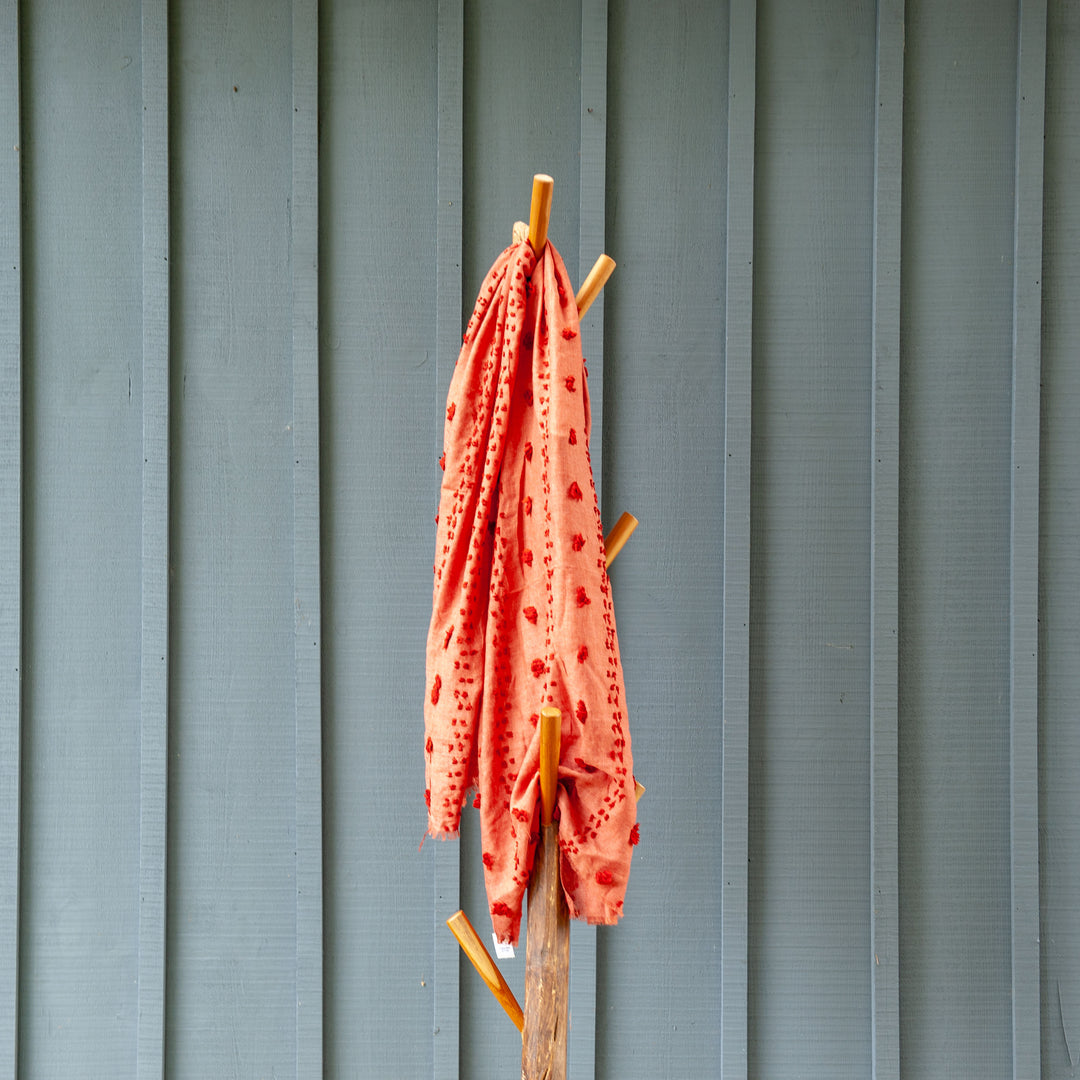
{"x":547,"y":943}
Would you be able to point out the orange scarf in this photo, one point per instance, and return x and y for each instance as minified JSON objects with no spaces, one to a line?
{"x":522,"y":614}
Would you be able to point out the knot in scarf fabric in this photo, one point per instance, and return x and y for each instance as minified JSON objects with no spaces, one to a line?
{"x":522,"y":614}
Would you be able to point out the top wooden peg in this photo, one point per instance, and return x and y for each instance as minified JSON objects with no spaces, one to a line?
{"x":540,"y":211}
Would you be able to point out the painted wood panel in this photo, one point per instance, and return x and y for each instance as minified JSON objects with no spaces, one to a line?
{"x":231,"y":987}
{"x":834,"y":377}
{"x":378,"y":246}
{"x":82,"y":443}
{"x":1059,"y":555}
{"x":955,"y":420}
{"x":658,"y":981}
{"x":810,"y":537}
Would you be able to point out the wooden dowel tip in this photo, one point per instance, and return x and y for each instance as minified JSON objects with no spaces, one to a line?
{"x":594,"y":281}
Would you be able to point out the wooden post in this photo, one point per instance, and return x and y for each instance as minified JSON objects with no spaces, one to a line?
{"x":547,"y":942}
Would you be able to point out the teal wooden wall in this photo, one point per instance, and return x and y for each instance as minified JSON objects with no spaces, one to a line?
{"x":835,"y":375}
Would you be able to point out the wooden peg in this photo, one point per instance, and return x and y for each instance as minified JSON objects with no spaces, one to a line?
{"x":550,"y":741}
{"x":540,"y":211}
{"x":614,"y":541}
{"x":474,"y":949}
{"x":593,"y":283}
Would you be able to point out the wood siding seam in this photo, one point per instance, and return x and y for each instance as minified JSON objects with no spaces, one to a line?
{"x":154,"y":664}
{"x":884,"y":548}
{"x":738,"y":362}
{"x":448,"y":289}
{"x":581,"y":1039}
{"x":1024,"y":539}
{"x":11,"y":485}
{"x":307,"y":640}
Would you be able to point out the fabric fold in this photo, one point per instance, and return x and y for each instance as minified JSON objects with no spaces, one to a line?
{"x":522,"y":613}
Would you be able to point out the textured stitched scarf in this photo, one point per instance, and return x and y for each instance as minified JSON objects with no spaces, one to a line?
{"x":522,"y":615}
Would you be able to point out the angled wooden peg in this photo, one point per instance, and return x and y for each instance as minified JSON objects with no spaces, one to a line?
{"x":540,"y":211}
{"x":474,"y":949}
{"x":614,"y":541}
{"x":593,"y":283}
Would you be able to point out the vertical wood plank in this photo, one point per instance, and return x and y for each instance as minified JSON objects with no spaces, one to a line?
{"x":738,"y":363}
{"x":1059,"y":554}
{"x":448,"y":313}
{"x":82,"y":456}
{"x":581,"y":1040}
{"x":884,"y":465}
{"x":154,"y":567}
{"x":10,"y":530}
{"x":307,"y":639}
{"x":232,"y":898}
{"x":1024,"y":538}
{"x":959,"y":129}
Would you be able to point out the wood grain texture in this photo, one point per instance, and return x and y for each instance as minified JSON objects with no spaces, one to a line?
{"x":547,"y":966}
{"x":1059,"y":555}
{"x":663,"y":451}
{"x":307,"y":536}
{"x":447,"y":342}
{"x":738,"y":375}
{"x":80,"y":149}
{"x":154,"y":562}
{"x":378,"y":289}
{"x":884,"y":545}
{"x":955,"y":464}
{"x":1024,"y":537}
{"x":231,"y":993}
{"x":10,"y":531}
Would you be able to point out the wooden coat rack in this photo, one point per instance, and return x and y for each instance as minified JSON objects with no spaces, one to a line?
{"x":545,"y":1020}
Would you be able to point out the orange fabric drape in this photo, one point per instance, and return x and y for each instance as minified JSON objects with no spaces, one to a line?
{"x":522,"y":613}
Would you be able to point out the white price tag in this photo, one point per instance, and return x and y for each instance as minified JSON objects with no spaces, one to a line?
{"x":503,"y":949}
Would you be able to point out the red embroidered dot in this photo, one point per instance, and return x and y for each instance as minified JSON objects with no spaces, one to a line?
{"x":570,"y":383}
{"x":489,"y":860}
{"x":582,"y":597}
{"x":527,"y":557}
{"x":573,"y":437}
{"x":429,"y":745}
{"x":528,"y":506}
{"x":449,"y":637}
{"x":427,"y":797}
{"x":582,"y":654}
{"x":634,"y":836}
{"x":435,"y":688}
{"x":501,"y":910}
{"x":450,"y":410}
{"x":574,"y":491}
{"x":538,"y":667}
{"x":581,"y":765}
{"x":569,"y":334}
{"x":528,"y":451}
{"x":530,"y":614}
{"x":521,"y":815}
{"x":603,"y":877}
{"x":578,"y":542}
{"x":476,"y":801}
{"x":581,"y":712}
